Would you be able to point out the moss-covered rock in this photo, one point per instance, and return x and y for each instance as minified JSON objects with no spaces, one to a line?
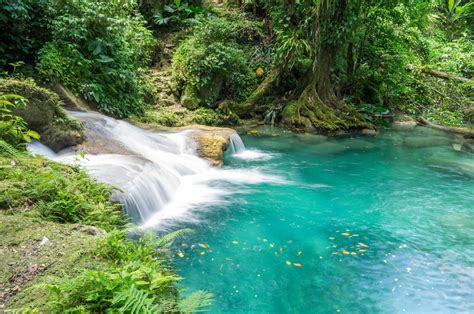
{"x":44,"y":114}
{"x":190,"y":98}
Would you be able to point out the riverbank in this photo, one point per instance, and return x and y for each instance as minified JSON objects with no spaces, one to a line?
{"x":64,"y":245}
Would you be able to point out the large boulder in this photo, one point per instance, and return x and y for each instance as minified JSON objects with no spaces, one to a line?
{"x":212,"y":142}
{"x":44,"y":114}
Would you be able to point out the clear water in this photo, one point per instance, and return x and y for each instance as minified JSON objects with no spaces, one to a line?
{"x":401,"y":208}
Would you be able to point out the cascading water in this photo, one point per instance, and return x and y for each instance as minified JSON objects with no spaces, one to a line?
{"x":236,"y":144}
{"x":237,"y":149}
{"x":159,"y":177}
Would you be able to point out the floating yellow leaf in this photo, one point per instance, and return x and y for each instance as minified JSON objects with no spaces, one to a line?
{"x":353,"y":253}
{"x":344,"y":252}
{"x":281,"y":249}
{"x":288,"y":263}
{"x":332,"y":238}
{"x":203,"y":245}
{"x":354,"y":235}
{"x":253,"y":132}
{"x":235,"y":242}
{"x":362,"y":250}
{"x":362,"y":244}
{"x":272,"y":245}
{"x":180,"y":254}
{"x":335,"y":253}
{"x":345,"y":234}
{"x":297,"y":264}
{"x":202,"y":253}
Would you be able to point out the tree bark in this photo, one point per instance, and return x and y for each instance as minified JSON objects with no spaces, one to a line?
{"x":249,"y":104}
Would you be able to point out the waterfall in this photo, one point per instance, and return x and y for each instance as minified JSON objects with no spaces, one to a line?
{"x":237,"y":149}
{"x":236,"y":145}
{"x":158,"y":176}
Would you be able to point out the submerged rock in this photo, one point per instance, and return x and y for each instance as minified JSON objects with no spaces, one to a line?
{"x":450,"y":164}
{"x":468,"y":146}
{"x":309,"y":138}
{"x":329,"y":148}
{"x":358,"y":144}
{"x":426,"y":141}
{"x":44,"y":114}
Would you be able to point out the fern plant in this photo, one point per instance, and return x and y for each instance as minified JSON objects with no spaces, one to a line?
{"x":137,"y":280}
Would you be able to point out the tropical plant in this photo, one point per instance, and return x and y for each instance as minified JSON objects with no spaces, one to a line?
{"x":99,"y":51}
{"x":13,"y":129}
{"x":58,"y":193}
{"x":178,"y":14}
{"x":137,"y":281}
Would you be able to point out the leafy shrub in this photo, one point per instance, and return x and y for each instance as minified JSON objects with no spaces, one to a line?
{"x":60,"y":193}
{"x":98,"y":50}
{"x":443,"y":115}
{"x":177,"y":14}
{"x":13,"y":128}
{"x":205,"y":116}
{"x":215,"y":57}
{"x":24,"y":29}
{"x":137,"y":281}
{"x":163,"y":116}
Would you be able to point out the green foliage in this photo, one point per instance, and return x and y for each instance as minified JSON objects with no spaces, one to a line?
{"x":137,"y":281}
{"x":178,"y":14}
{"x":445,"y":116}
{"x":13,"y":128}
{"x":215,"y":55}
{"x":24,"y":29}
{"x":60,"y":193}
{"x":99,"y":50}
{"x":163,"y":116}
{"x":205,"y":116}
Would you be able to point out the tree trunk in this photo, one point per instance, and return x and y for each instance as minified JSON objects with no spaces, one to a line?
{"x":318,"y":101}
{"x":249,"y":104}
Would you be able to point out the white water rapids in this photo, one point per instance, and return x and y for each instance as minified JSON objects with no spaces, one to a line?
{"x":160,"y":176}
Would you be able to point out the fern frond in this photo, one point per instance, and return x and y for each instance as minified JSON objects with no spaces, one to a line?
{"x":133,"y":300}
{"x":9,"y":150}
{"x":196,"y":302}
{"x":169,"y":238}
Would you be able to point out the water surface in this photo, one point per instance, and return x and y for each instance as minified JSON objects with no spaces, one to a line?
{"x":355,"y":225}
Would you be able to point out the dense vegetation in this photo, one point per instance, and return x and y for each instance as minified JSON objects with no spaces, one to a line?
{"x":325,"y":64}
{"x":322,"y":65}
